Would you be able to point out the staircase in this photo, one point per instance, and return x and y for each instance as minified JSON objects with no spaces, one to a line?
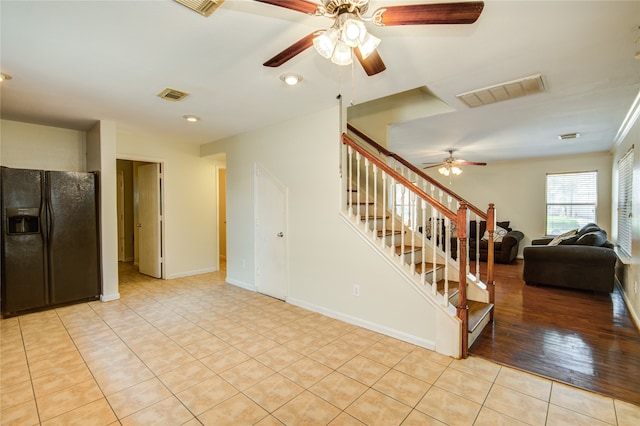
{"x":411,"y":219}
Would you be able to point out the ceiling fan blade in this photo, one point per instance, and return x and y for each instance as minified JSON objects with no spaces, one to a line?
{"x":470,"y":163}
{"x":430,"y":166}
{"x":427,"y":14}
{"x":372,"y":64}
{"x":303,"y":6}
{"x":293,"y":50}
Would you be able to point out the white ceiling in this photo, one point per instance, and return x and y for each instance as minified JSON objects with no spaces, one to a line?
{"x":75,"y":62}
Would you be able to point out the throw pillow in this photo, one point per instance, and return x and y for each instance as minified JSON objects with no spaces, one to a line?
{"x":557,"y":240}
{"x":596,"y":239}
{"x":498,"y":234}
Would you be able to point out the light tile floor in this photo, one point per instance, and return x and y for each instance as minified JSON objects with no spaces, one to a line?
{"x":196,"y":351}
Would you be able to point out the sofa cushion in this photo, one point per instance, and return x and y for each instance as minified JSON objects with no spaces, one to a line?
{"x":568,"y":241}
{"x":557,"y":240}
{"x":595,"y":239}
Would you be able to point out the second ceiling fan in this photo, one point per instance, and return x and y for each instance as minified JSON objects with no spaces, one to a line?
{"x":348,"y":33}
{"x":451,"y":165}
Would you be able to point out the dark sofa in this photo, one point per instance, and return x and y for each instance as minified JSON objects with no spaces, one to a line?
{"x":583,"y":261}
{"x":504,"y":251}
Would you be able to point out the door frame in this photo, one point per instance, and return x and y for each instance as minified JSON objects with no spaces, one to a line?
{"x":162,"y":196}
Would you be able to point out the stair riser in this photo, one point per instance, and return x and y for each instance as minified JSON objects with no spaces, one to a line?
{"x":428,"y":276}
{"x":375,"y":223}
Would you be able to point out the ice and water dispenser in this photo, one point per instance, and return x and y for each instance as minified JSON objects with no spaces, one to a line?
{"x":23,"y":220}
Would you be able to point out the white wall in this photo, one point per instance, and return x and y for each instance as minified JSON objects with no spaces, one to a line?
{"x":326,"y":256}
{"x":630,"y":266}
{"x":517,"y":188}
{"x":190,"y":184}
{"x":30,"y":146}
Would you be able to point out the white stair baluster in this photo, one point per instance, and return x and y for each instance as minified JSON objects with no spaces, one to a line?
{"x":384,"y":207}
{"x":358,"y":158}
{"x":375,"y":200}
{"x":350,"y":177}
{"x":366,"y":192}
{"x":446,"y":263}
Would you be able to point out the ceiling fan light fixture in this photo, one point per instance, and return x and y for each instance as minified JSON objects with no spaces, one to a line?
{"x":456,"y":170}
{"x":444,"y":170}
{"x":368,"y":45}
{"x":342,"y":54}
{"x":353,"y":32}
{"x":325,"y":43}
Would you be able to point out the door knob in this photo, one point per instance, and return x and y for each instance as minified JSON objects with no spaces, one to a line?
{"x":280,"y":234}
{"x":138,"y":225}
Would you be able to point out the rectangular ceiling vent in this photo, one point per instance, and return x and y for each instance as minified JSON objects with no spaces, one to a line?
{"x":172,"y":95}
{"x":503,"y":91}
{"x":203,"y":7}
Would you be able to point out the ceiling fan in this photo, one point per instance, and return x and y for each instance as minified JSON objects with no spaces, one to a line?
{"x":349,"y":35}
{"x":451,"y":165}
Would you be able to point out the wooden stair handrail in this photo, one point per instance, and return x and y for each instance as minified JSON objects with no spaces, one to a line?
{"x":399,"y":178}
{"x":384,"y":151}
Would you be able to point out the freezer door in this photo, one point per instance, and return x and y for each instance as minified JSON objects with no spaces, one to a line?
{"x":74,"y":272}
{"x":23,"y":241}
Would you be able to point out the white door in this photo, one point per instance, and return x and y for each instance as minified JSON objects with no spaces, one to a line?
{"x":149,"y":217}
{"x":272,"y":267}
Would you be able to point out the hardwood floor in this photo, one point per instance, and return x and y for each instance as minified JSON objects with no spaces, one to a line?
{"x":580,"y":338}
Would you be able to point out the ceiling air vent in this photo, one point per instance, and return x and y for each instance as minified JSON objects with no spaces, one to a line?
{"x":503,"y":91}
{"x":203,"y":7}
{"x":172,"y":95}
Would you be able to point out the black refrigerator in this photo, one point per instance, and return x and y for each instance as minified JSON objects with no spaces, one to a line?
{"x":50,"y":239}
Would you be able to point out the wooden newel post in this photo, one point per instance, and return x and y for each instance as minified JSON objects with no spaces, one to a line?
{"x":491,"y":227}
{"x":462,"y":309}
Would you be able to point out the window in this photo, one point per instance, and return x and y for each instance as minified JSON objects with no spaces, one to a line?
{"x":625,"y":189}
{"x":572,"y":199}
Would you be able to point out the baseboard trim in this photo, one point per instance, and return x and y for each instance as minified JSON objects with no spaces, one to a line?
{"x":109,"y":297}
{"x":241,"y":284}
{"x":634,"y":316}
{"x":418,"y":341}
{"x":190,"y":273}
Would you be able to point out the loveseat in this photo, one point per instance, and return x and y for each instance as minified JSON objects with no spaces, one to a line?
{"x":505,"y":246}
{"x":581,"y":259}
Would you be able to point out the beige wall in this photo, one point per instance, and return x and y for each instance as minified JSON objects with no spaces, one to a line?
{"x":30,"y":146}
{"x":127,"y":170}
{"x":517,"y":188}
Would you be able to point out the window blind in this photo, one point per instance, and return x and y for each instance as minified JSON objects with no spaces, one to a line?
{"x":625,"y":191}
{"x":572,"y":200}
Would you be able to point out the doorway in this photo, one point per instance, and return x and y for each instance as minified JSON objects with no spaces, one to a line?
{"x":272,"y":265}
{"x":140,"y":215}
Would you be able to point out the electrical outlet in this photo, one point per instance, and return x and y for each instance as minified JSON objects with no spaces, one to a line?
{"x":356,"y":290}
{"x":244,"y":264}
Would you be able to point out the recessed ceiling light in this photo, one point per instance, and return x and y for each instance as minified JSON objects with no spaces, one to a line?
{"x":191,"y":118}
{"x":4,"y":77}
{"x":291,"y":79}
{"x":569,"y":136}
